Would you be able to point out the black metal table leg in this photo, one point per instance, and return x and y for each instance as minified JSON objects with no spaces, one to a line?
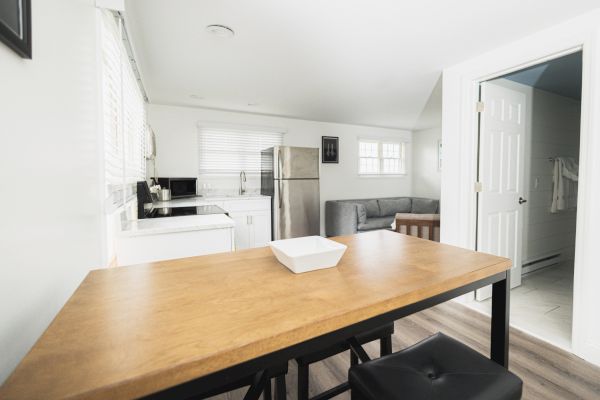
{"x":257,"y":387}
{"x":500,"y":321}
{"x":267,"y":394}
{"x":303,"y":381}
{"x":357,"y":349}
{"x":353,"y":358}
{"x":280,"y":388}
{"x":385,"y":346}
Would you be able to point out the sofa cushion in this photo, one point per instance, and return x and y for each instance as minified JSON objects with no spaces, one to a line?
{"x":393,"y":206}
{"x":372,"y":207}
{"x":361,"y":212}
{"x":424,"y":206}
{"x":376,"y":223}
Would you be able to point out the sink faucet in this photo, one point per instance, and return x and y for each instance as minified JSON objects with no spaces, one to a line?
{"x":242,"y":182}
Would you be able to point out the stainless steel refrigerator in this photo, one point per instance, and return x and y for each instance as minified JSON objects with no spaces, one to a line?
{"x":290,"y":175}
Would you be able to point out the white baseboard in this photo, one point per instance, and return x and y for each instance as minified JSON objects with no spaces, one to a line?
{"x":541,"y":262}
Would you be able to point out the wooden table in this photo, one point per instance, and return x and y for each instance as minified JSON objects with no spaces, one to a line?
{"x":175,"y":328}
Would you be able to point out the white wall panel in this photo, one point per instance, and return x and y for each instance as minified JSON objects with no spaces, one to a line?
{"x":50,"y":234}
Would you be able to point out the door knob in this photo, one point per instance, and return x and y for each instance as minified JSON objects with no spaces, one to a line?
{"x":522,"y":200}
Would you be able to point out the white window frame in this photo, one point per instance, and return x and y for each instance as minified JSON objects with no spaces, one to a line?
{"x":380,"y":158}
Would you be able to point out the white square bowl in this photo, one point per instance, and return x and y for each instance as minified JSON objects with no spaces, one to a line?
{"x":307,"y":253}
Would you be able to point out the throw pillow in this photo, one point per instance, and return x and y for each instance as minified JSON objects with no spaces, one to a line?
{"x":392,"y":206}
{"x":425,"y":206}
{"x":372,"y":208}
{"x":361,"y":212}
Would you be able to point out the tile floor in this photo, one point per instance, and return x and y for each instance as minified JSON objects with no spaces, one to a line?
{"x":542,"y":305}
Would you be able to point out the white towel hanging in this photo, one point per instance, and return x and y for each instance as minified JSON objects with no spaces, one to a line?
{"x":565,"y":177}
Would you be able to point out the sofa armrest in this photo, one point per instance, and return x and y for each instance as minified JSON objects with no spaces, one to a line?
{"x":340,"y":218}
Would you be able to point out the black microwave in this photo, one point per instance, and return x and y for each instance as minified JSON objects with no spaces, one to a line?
{"x":180,"y":187}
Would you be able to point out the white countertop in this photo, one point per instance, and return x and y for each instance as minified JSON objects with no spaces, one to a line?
{"x":235,"y":197}
{"x":200,"y":200}
{"x":155,"y":226}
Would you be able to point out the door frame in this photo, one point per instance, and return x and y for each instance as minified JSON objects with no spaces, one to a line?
{"x":459,"y":133}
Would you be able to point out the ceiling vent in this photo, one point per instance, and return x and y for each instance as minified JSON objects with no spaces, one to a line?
{"x":221,"y":31}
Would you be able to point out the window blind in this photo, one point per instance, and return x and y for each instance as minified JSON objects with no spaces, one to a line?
{"x":124,"y":117}
{"x":111,"y":104}
{"x":134,"y":114}
{"x":229,"y":151}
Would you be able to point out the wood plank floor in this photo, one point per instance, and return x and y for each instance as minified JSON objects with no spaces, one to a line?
{"x":548,"y":373}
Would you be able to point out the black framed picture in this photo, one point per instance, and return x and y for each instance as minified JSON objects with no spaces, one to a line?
{"x":15,"y":25}
{"x":330,"y":149}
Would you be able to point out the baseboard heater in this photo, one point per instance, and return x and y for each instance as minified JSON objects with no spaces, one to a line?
{"x":541,"y":263}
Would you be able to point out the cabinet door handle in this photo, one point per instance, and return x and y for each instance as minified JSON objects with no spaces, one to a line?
{"x":250,"y":219}
{"x":247,"y":220}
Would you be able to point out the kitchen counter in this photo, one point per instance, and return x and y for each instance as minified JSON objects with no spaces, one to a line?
{"x":154,"y":226}
{"x":246,"y":224}
{"x":201,"y":200}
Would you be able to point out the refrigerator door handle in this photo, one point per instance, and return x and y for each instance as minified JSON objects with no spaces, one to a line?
{"x":279,"y":174}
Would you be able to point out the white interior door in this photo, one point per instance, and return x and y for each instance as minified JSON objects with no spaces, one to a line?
{"x":501,"y":176}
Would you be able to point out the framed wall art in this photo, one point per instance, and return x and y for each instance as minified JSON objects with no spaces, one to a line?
{"x":15,"y":26}
{"x":330,"y":153}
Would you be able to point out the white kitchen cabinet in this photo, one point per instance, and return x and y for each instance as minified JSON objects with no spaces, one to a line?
{"x":260,"y":223}
{"x":251,"y":214}
{"x":242,"y":230}
{"x":150,"y":240}
{"x":252,"y":221}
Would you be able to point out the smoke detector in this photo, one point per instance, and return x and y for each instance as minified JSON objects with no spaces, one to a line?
{"x":221,"y":31}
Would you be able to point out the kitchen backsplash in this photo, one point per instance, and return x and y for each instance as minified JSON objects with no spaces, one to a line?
{"x":227,"y":185}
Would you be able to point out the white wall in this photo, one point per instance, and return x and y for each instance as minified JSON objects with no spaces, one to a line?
{"x":50,"y":233}
{"x":426,"y":176}
{"x":176,"y":130}
{"x":552,"y":131}
{"x":459,"y":134}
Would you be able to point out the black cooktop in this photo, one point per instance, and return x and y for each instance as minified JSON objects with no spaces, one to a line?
{"x":182,"y":211}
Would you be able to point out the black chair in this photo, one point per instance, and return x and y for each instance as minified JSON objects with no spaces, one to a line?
{"x":277,"y":373}
{"x":383,"y":334}
{"x":437,"y":368}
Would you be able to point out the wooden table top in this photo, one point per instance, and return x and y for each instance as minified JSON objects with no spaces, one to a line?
{"x":132,"y":331}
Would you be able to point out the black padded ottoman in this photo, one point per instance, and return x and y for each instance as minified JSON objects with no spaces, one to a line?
{"x":437,"y":368}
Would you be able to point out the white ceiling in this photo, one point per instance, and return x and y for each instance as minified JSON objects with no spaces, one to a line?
{"x":368,"y":62}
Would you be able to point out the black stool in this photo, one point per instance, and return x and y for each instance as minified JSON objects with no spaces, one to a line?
{"x":278,"y":373}
{"x":383,"y":334}
{"x":437,"y":368}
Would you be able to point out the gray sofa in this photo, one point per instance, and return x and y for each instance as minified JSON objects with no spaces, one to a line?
{"x":346,"y":217}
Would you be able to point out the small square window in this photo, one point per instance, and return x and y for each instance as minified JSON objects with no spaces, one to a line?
{"x":380,"y":158}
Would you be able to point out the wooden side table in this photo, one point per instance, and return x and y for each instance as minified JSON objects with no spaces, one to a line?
{"x":431,"y":221}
